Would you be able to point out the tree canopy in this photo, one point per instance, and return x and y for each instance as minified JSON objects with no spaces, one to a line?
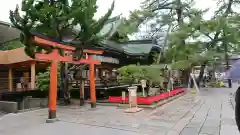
{"x":186,"y":37}
{"x":60,"y":19}
{"x":64,"y":20}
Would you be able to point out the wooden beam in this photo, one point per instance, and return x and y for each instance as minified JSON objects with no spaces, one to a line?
{"x":55,"y":56}
{"x":44,"y":42}
{"x":93,"y":51}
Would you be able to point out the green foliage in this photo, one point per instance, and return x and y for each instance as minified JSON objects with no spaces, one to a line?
{"x":136,"y":18}
{"x":59,"y":19}
{"x":43,"y":80}
{"x":217,"y":84}
{"x":132,"y":24}
{"x":90,"y":28}
{"x":201,"y":43}
{"x":154,"y":75}
{"x":130,"y":74}
{"x":167,"y":12}
{"x":135,"y":73}
{"x":192,"y":39}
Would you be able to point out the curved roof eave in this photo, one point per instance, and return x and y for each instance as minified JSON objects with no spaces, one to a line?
{"x":8,"y":32}
{"x":6,"y":23}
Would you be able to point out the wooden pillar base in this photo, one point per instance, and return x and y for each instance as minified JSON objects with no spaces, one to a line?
{"x":52,"y":116}
{"x":93,"y":105}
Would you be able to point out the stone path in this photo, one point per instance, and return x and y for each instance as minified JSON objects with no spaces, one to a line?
{"x":210,"y":113}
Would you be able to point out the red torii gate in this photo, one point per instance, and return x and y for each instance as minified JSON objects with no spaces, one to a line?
{"x":55,"y":58}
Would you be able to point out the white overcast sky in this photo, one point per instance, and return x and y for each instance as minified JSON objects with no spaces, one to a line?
{"x":121,"y":6}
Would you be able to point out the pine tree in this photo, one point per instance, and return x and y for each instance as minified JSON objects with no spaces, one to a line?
{"x":191,"y":35}
{"x":57,"y":19}
{"x":162,"y":16}
{"x":211,"y":30}
{"x":224,"y":12}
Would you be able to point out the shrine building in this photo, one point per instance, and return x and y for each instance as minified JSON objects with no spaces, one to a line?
{"x":14,"y":63}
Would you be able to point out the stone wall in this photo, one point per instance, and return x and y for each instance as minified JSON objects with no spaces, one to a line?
{"x":9,"y":107}
{"x":27,"y":103}
{"x":153,"y":91}
{"x":30,"y":103}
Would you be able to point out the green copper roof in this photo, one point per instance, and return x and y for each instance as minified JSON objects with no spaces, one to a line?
{"x":131,"y":47}
{"x":138,"y":48}
{"x":7,"y":32}
{"x":112,"y":26}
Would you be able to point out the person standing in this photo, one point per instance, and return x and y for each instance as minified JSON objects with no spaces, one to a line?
{"x":22,"y":83}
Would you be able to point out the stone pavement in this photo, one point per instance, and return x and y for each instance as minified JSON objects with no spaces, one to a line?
{"x":210,"y":113}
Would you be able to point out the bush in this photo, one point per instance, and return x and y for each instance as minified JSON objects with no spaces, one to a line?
{"x":133,"y":74}
{"x":217,"y":84}
{"x":43,"y":80}
{"x":130,"y":74}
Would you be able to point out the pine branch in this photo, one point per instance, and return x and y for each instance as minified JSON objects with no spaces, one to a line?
{"x":102,"y":21}
{"x":226,"y":13}
{"x":164,"y":6}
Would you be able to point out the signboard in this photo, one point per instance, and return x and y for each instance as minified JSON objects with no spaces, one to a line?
{"x":123,"y":96}
{"x":132,"y":96}
{"x":133,"y":93}
{"x":143,"y":83}
{"x":106,"y":59}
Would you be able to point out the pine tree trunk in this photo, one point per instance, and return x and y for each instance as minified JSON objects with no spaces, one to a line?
{"x":227,"y":58}
{"x":200,"y":77}
{"x":82,"y":92}
{"x":64,"y":84}
{"x":165,"y":43}
{"x":179,"y":12}
{"x":213,"y":72}
{"x":186,"y":75}
{"x":227,"y":68}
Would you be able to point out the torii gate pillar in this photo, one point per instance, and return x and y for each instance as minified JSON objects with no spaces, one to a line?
{"x":53,"y":90}
{"x":92,"y":83}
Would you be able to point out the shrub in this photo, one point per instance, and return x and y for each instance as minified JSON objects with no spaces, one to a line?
{"x":133,"y":74}
{"x":43,"y":80}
